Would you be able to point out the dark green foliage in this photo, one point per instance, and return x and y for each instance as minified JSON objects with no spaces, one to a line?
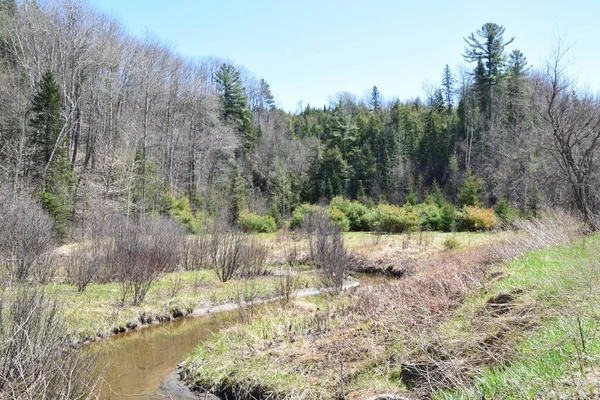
{"x":235,"y":104}
{"x":534,"y":201}
{"x":486,"y":48}
{"x":236,"y":197}
{"x":50,"y":167}
{"x":504,"y":212}
{"x":448,"y":218}
{"x":468,"y":194}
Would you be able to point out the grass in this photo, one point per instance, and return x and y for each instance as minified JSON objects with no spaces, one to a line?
{"x":358,"y":345}
{"x":557,"y":356}
{"x":97,"y":311}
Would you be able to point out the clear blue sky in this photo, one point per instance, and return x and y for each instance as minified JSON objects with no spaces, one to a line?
{"x":308,"y":50}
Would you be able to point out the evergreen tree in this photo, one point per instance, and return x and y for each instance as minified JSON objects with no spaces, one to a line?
{"x":468,"y":195}
{"x":448,"y":88}
{"x":234,"y":103}
{"x":375,"y":101}
{"x":266,"y":101}
{"x":486,"y":48}
{"x":50,"y":169}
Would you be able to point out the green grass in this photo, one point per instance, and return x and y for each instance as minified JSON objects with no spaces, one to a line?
{"x":98,"y":310}
{"x":560,"y":286}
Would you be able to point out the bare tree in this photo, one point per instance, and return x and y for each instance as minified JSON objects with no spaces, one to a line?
{"x":26,"y":240}
{"x":37,"y":359}
{"x":327,"y":250}
{"x":141,"y":252}
{"x":570,"y":123}
{"x":228,"y":252}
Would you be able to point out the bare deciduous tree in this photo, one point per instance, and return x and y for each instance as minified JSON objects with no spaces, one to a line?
{"x":37,"y":359}
{"x":26,"y":240}
{"x":570,"y":123}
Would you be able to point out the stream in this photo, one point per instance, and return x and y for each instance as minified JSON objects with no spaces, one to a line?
{"x":141,"y":363}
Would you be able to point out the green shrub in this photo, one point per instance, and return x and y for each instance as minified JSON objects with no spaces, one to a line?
{"x":504,"y":212}
{"x":353,"y":210}
{"x":338,"y":218}
{"x":392,"y":219}
{"x":180,"y":210}
{"x":448,"y":218}
{"x":451,"y":243}
{"x":430,"y":216}
{"x":251,"y":222}
{"x":300,"y":213}
{"x":477,"y":219}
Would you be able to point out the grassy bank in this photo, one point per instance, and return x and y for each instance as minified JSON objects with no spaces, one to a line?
{"x":543,"y":342}
{"x":435,"y":328}
{"x":98,"y":311}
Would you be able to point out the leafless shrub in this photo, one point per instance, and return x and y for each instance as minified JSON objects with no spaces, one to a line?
{"x":258,"y":255}
{"x":37,"y":359}
{"x":228,"y":252}
{"x":142,"y":251}
{"x":327,"y":250}
{"x":85,"y":263}
{"x":174,"y":285}
{"x":287,"y":283}
{"x":27,"y":239}
{"x":196,"y":253}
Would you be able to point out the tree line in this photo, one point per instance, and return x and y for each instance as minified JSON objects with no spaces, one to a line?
{"x":96,"y":122}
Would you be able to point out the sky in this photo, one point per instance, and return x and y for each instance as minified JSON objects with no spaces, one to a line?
{"x":309,"y":50}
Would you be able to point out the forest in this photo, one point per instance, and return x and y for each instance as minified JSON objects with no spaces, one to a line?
{"x":96,"y":122}
{"x":139,"y":186}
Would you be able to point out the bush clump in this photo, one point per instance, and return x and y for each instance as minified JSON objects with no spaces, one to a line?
{"x":338,"y":218}
{"x":477,"y":219}
{"x":254,"y":223}
{"x":181,"y":211}
{"x":392,"y":219}
{"x":300,"y":213}
{"x":353,"y":210}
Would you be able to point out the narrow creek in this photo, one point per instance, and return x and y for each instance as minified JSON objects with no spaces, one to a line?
{"x":142,"y":363}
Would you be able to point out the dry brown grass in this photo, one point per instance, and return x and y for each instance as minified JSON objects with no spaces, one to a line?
{"x":364,"y":331}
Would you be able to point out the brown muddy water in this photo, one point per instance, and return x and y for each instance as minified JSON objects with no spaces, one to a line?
{"x":141,"y":363}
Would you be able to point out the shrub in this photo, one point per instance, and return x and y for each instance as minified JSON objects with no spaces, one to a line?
{"x":430,"y":216}
{"x":39,"y":360}
{"x":229,"y":252}
{"x":250,"y":222}
{"x":353,"y":210}
{"x":300,"y":213}
{"x":181,"y":211}
{"x":141,"y":252}
{"x":195,"y":253}
{"x":338,"y":218}
{"x":451,"y":243}
{"x":448,"y":218}
{"x":505,"y":213}
{"x":26,"y":239}
{"x":327,"y":250}
{"x":392,"y":219}
{"x":477,"y":219}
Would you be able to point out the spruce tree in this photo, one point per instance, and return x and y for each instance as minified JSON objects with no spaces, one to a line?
{"x":50,"y":169}
{"x":448,"y":88}
{"x":234,"y":104}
